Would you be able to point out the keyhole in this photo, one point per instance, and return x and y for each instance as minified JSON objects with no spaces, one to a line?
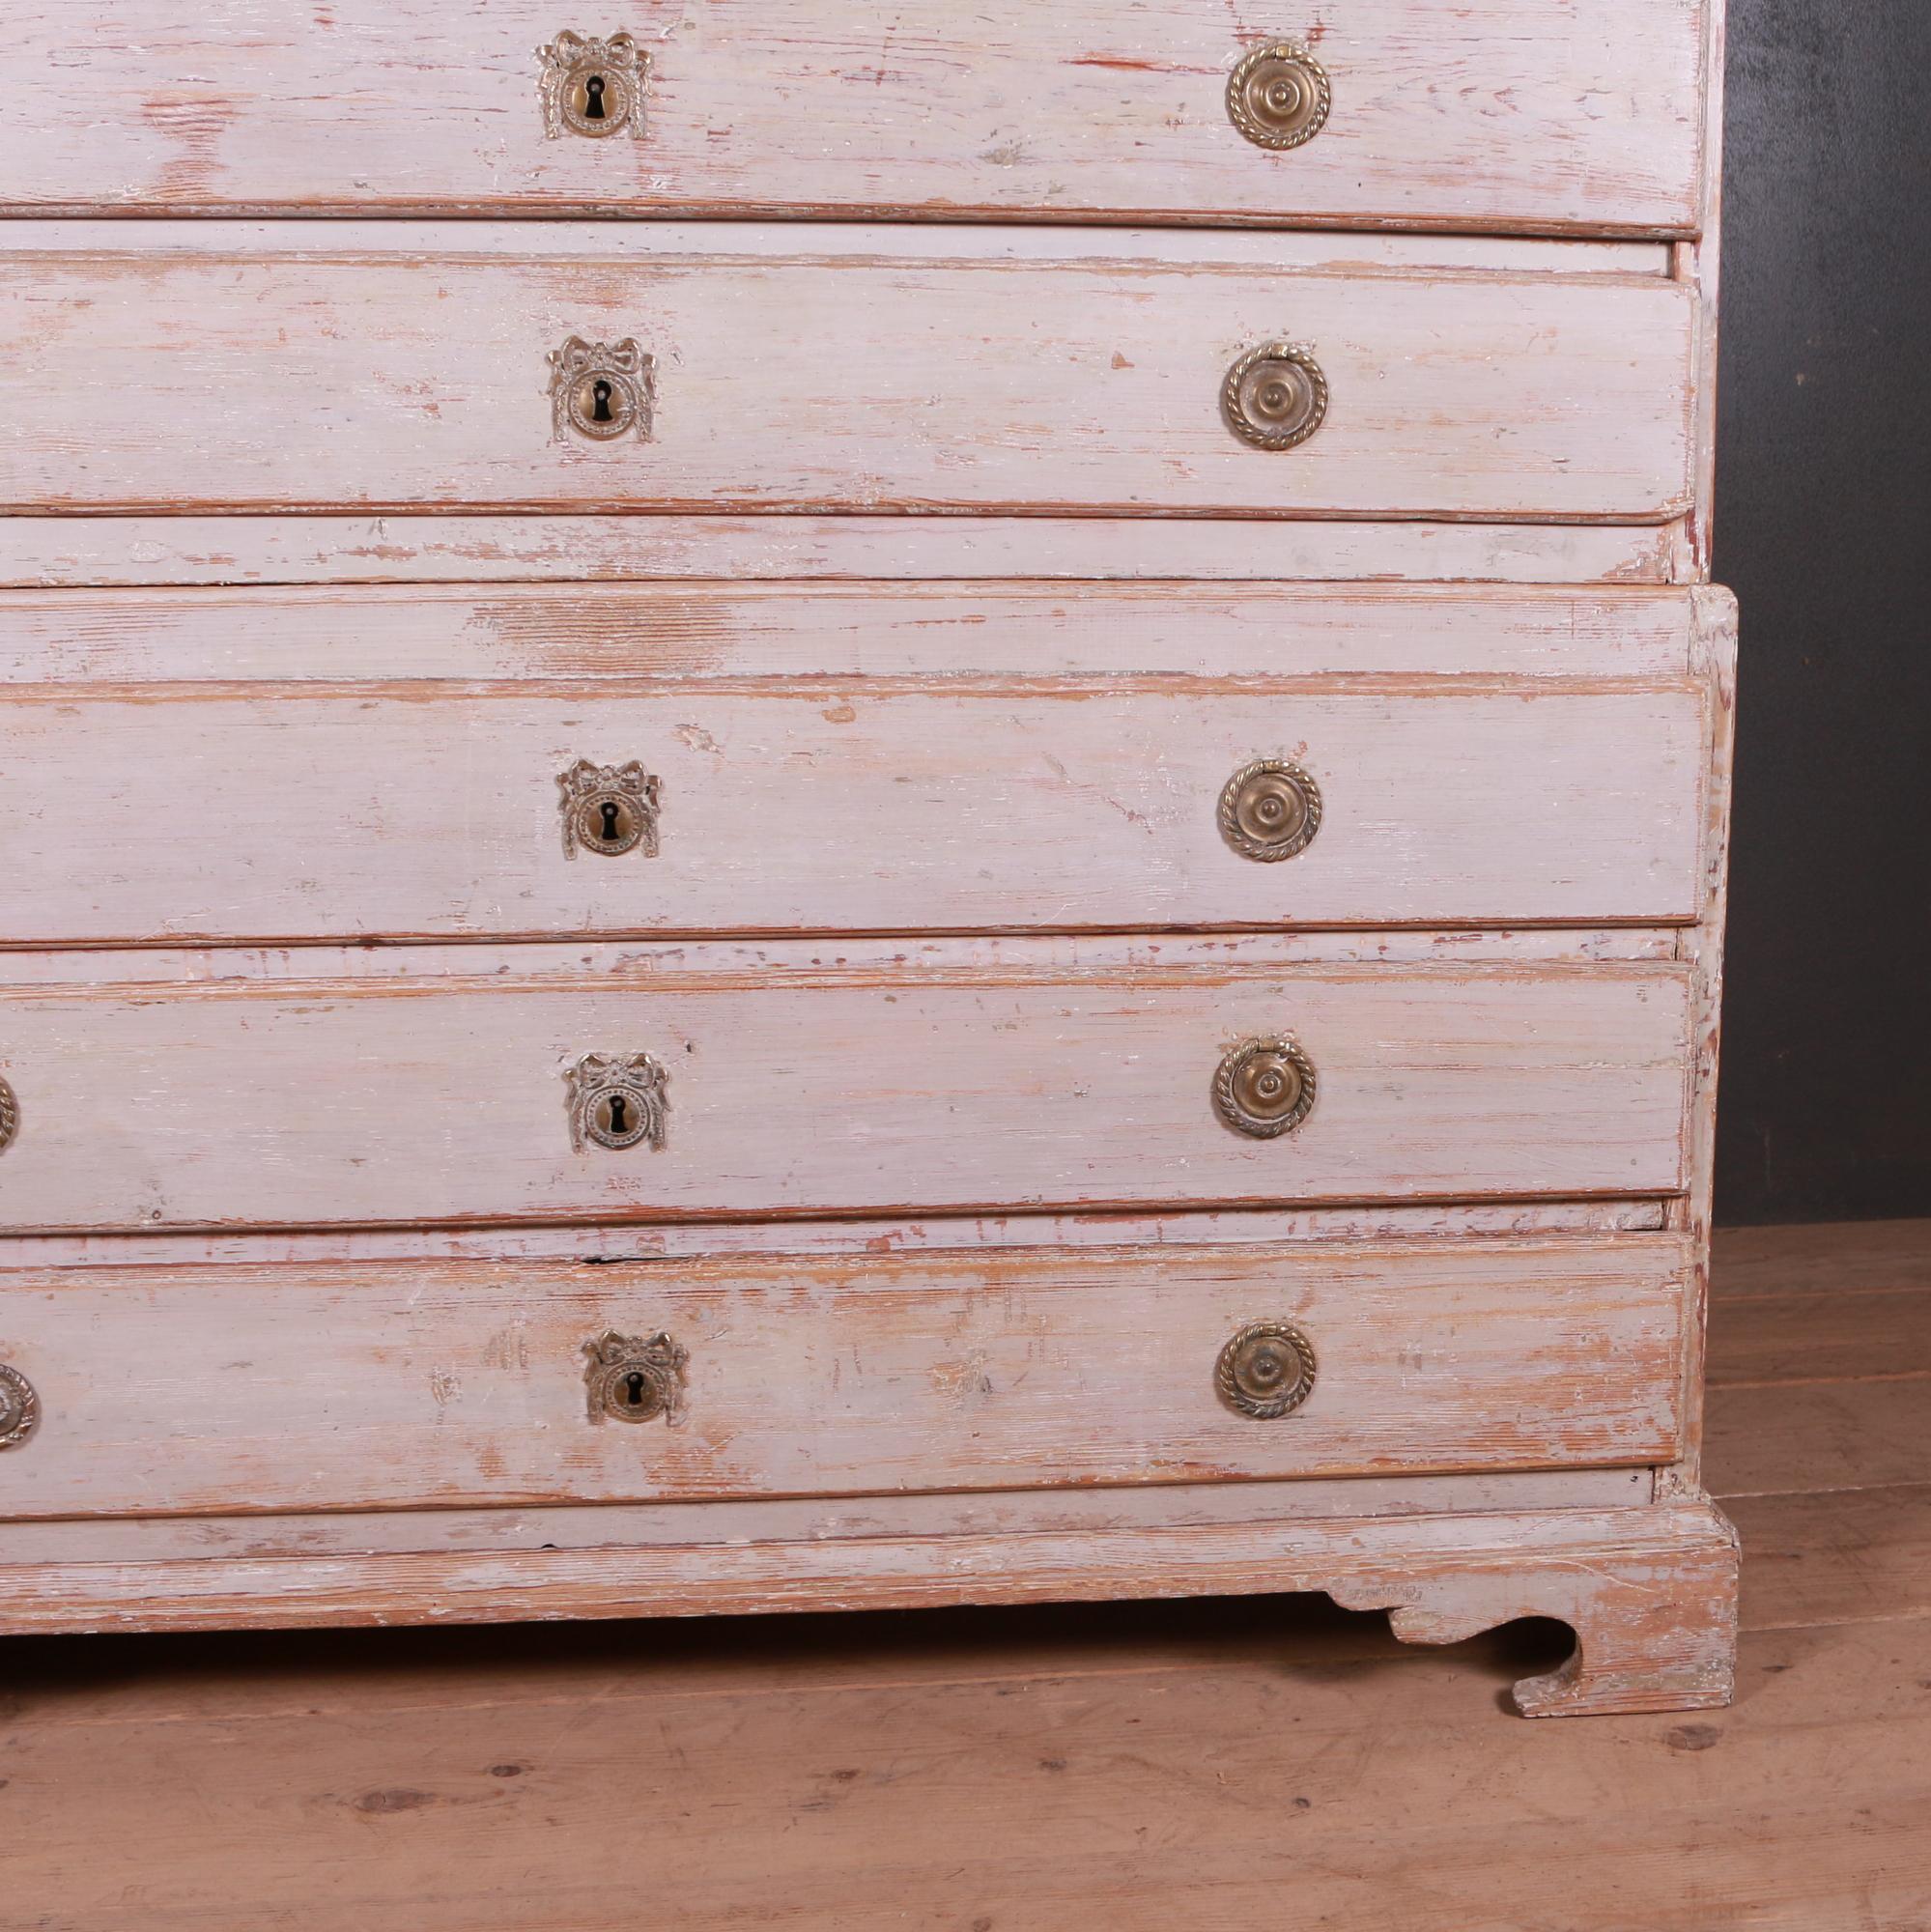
{"x":609,"y":812}
{"x":594,"y":101}
{"x":620,"y":1107}
{"x":634,"y":1389}
{"x":600,"y":391}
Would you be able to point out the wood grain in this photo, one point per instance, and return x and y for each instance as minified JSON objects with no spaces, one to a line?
{"x":1651,"y":1593}
{"x":1713,"y":659}
{"x":759,"y":1721}
{"x":1057,"y":373}
{"x":1361,"y":1221}
{"x":1533,"y":114}
{"x":83,"y":553}
{"x":783,"y":960}
{"x":1843,"y":1334}
{"x":266,"y":1102}
{"x":1030,"y":1770}
{"x":1836,"y":1556}
{"x":691,"y":633}
{"x":331,"y":812}
{"x":1820,"y":1366}
{"x":218,"y":1390}
{"x":342,"y":380}
{"x":1159,"y":1759}
{"x":911,"y":1513}
{"x":1825,"y":1436}
{"x":1827,"y":1259}
{"x":1311,"y":250}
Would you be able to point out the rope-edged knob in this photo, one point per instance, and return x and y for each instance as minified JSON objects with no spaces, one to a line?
{"x":1275,"y":396}
{"x":1267,"y":1371}
{"x":20,"y":1407}
{"x":1264,"y":1088}
{"x":1270,"y":810}
{"x":1279,"y":96}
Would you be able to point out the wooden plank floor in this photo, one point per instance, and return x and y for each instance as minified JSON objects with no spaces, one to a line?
{"x":1266,"y":1762}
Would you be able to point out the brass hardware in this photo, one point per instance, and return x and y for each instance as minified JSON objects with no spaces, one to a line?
{"x":1270,"y":810}
{"x":1279,"y":96}
{"x":20,"y":1407}
{"x":1264,"y":1088}
{"x":1267,"y":1371}
{"x":616,"y":1101}
{"x":1275,"y":396}
{"x":636,"y":1379}
{"x":609,"y":808}
{"x":600,"y":389}
{"x":10,"y":1116}
{"x":592,"y":87}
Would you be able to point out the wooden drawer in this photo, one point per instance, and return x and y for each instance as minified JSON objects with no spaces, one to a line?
{"x":312,"y":811}
{"x":795,"y":1088}
{"x":823,"y":374}
{"x":291,"y":1387}
{"x":1438,"y":115}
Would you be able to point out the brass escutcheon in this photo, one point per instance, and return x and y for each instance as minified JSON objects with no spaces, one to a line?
{"x":592,"y":87}
{"x":636,"y":1379}
{"x":1267,"y":1371}
{"x":1270,"y":810}
{"x":1275,"y":396}
{"x":1279,"y":96}
{"x":20,"y":1407}
{"x":10,"y":1116}
{"x":617,"y":1101}
{"x":601,"y":390}
{"x":609,"y":808}
{"x":1264,"y":1088}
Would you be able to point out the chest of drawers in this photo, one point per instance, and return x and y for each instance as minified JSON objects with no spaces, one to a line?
{"x":799,"y":810}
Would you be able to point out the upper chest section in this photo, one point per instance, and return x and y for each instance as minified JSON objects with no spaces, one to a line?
{"x":1538,"y":116}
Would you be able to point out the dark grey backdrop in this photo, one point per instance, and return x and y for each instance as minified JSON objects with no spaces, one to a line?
{"x":1824,"y":529}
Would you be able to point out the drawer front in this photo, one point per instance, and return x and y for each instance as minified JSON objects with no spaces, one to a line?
{"x":407,"y":811}
{"x":1437,"y":115}
{"x":833,"y":382}
{"x":290,"y":1388}
{"x":250,"y":1102}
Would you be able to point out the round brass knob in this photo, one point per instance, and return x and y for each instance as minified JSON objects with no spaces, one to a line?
{"x":1275,"y":396}
{"x":635,"y":1378}
{"x":1267,"y":1371}
{"x":1270,"y":810}
{"x":20,"y":1407}
{"x":10,"y":1116}
{"x":1264,"y":1088}
{"x":1279,"y":96}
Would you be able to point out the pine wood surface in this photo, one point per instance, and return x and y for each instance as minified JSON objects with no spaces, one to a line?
{"x":1032,"y":1771}
{"x":337,"y":812}
{"x":955,"y":379}
{"x":688,"y":635}
{"x":327,"y":764}
{"x":462,"y":1382}
{"x":1027,"y":1087}
{"x":1545,"y":114}
{"x":84,"y":552}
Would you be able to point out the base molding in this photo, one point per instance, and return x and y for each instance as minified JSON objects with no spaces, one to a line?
{"x":1650,"y":1591}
